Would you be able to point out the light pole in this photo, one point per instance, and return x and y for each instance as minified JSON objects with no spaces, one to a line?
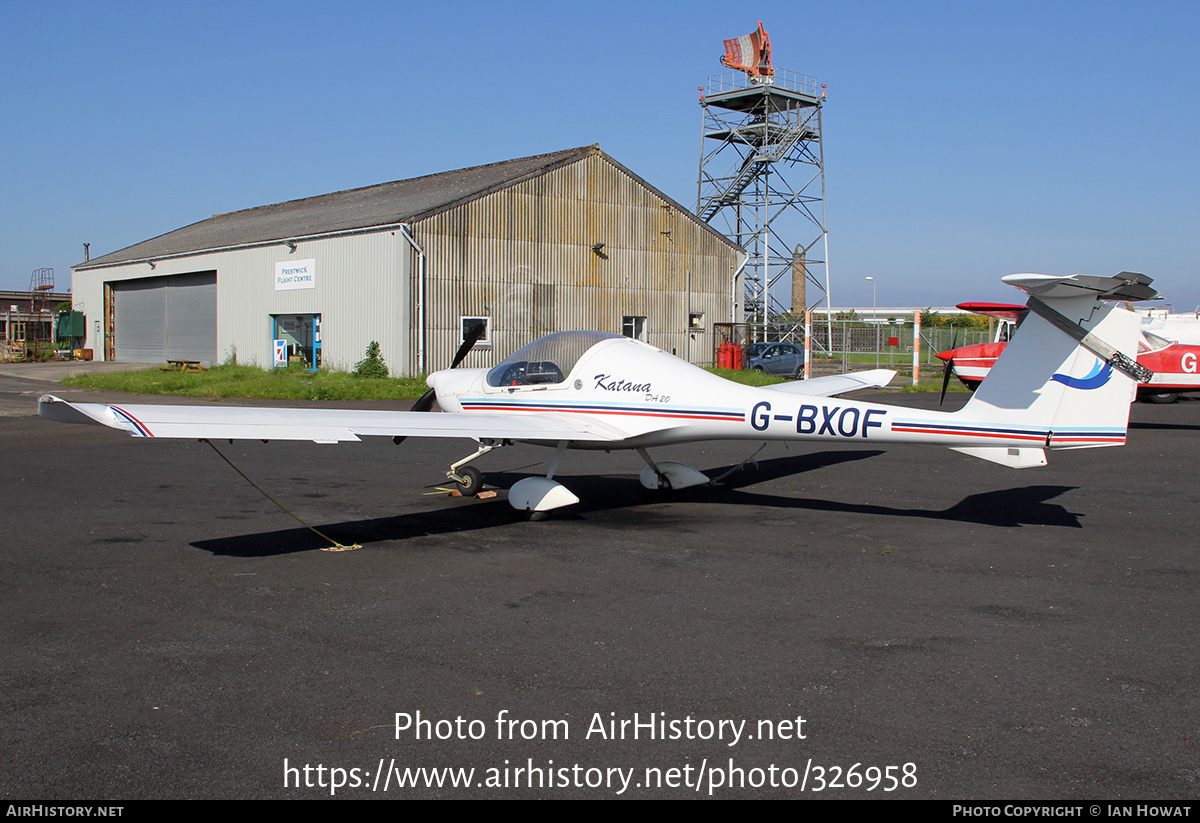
{"x":874,"y":320}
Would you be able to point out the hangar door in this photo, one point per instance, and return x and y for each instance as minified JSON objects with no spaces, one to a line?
{"x":166,"y":318}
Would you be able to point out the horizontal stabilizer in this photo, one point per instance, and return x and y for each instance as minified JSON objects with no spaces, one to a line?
{"x":1126,"y":285}
{"x":834,"y":384}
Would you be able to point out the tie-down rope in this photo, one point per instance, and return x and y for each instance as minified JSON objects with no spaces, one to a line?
{"x":336,"y":547}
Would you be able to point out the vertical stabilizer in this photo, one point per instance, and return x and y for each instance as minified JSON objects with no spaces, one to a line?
{"x":1065,"y":371}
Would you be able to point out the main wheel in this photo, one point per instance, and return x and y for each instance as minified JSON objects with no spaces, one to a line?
{"x":537,"y":517}
{"x":1163,"y":397}
{"x":472,"y":481}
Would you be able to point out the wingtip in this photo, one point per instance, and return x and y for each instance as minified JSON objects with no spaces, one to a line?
{"x":879,"y":378}
{"x":48,"y":404}
{"x":60,"y":411}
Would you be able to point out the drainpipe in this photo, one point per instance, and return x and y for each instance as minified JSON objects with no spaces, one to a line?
{"x":733,"y":290}
{"x":404,"y":230}
{"x":687,"y":319}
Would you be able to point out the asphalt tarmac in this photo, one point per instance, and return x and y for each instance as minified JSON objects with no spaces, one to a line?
{"x":850,"y":622}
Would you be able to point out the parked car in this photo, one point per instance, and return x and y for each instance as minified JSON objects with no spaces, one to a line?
{"x":752,"y":350}
{"x":778,"y":358}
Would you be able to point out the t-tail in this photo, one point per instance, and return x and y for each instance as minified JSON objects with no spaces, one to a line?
{"x":1067,"y":378}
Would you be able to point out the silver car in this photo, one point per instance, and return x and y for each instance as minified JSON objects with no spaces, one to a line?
{"x":779,"y":358}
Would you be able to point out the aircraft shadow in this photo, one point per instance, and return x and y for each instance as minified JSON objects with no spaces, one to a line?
{"x":754,"y":471}
{"x":1007,"y":508}
{"x":457,"y":516}
{"x":1165,"y":426}
{"x":596,"y":492}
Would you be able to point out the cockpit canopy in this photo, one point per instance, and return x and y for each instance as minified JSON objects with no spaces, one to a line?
{"x":1152,"y":342}
{"x":547,"y":360}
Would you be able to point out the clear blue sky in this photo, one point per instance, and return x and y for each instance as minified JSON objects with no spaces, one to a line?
{"x":963,"y":140}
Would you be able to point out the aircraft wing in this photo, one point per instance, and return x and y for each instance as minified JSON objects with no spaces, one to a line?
{"x":320,"y":425}
{"x":833,"y":384}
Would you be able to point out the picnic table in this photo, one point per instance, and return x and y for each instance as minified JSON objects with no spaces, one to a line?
{"x":183,"y":365}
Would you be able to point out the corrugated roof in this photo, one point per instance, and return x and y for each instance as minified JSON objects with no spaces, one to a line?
{"x":384,"y":204}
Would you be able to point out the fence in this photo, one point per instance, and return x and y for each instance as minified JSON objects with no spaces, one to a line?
{"x":854,"y":343}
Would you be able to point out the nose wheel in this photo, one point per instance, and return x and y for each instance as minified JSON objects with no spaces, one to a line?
{"x":468,"y":478}
{"x":470,"y":481}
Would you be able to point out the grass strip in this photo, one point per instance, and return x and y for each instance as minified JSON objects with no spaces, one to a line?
{"x":250,"y":382}
{"x":255,"y":383}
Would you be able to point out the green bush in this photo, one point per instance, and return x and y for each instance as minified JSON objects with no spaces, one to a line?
{"x":372,"y":365}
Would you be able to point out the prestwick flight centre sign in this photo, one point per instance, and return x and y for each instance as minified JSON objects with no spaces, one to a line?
{"x":295,"y":274}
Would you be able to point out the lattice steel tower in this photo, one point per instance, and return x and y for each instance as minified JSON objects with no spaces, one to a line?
{"x":762,"y":177}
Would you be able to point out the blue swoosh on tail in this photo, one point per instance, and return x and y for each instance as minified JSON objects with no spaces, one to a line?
{"x":1096,"y":378}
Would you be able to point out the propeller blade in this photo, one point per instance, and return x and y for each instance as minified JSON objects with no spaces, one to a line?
{"x":468,"y":344}
{"x":953,"y":344}
{"x":946,"y":379}
{"x":425,"y":402}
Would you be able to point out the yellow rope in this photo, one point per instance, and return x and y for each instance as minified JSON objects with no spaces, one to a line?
{"x":336,"y":547}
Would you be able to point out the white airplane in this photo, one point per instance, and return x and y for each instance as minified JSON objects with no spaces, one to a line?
{"x":1065,"y":382}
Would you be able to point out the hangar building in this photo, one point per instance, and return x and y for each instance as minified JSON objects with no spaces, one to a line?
{"x":567,"y":240}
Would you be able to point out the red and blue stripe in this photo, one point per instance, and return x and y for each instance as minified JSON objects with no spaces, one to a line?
{"x":620,"y":409}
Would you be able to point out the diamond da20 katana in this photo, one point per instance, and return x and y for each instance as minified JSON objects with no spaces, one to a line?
{"x":1065,"y":382}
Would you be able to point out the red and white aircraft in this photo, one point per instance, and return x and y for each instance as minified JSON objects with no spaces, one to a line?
{"x":1175,"y":365}
{"x":1063,"y":384}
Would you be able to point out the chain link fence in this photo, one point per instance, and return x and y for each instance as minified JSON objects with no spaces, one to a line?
{"x":846,"y":345}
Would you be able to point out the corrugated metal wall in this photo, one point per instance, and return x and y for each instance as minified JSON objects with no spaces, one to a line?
{"x":523,"y":257}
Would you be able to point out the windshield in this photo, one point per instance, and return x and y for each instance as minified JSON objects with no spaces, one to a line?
{"x":547,"y":360}
{"x":1152,"y":342}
